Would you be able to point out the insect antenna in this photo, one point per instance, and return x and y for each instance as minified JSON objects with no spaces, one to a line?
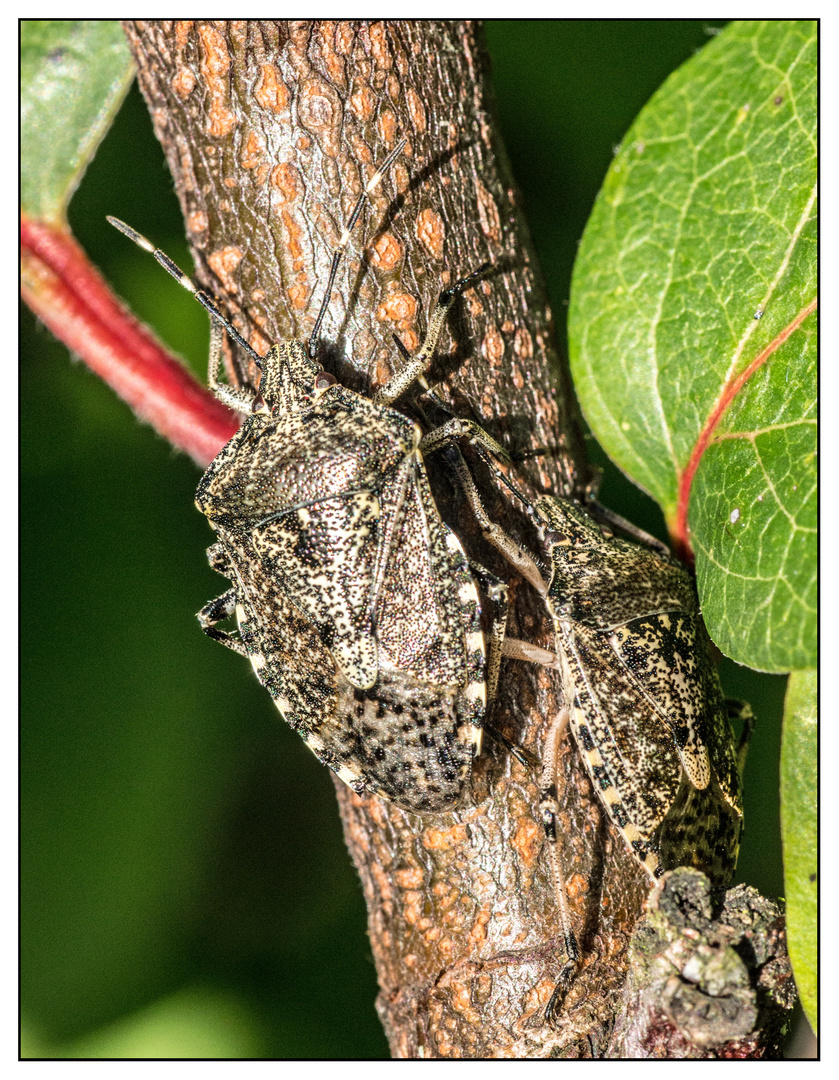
{"x":345,"y":236}
{"x":184,"y":279}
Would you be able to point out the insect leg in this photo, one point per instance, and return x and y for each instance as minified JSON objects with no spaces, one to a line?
{"x":522,"y":756}
{"x":416,"y":365}
{"x":498,"y":647}
{"x":741,"y":710}
{"x":497,"y":592}
{"x":217,"y":611}
{"x":525,"y":650}
{"x":549,"y":812}
{"x":604,"y":516}
{"x":456,"y":429}
{"x":512,"y":551}
{"x":218,"y":560}
{"x":239,"y":398}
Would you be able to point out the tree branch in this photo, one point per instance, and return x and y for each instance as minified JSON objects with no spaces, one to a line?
{"x":271,"y":130}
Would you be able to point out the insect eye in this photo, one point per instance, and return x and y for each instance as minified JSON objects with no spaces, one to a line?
{"x":555,"y":538}
{"x":323,"y":380}
{"x":258,"y":403}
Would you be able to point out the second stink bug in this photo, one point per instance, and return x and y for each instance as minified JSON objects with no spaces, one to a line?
{"x":644,"y":702}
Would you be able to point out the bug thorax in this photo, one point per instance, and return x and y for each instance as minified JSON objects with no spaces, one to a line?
{"x":291,"y":379}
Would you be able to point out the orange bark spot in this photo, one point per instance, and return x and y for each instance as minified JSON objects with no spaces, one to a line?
{"x":409,"y":338}
{"x":401,"y":307}
{"x":379,"y":47}
{"x":388,"y":127}
{"x":462,"y":1002}
{"x":577,"y":887}
{"x":271,"y":92}
{"x":197,"y":222}
{"x":183,"y":28}
{"x":362,"y":101}
{"x":523,"y":343}
{"x":527,"y":840}
{"x":298,"y":296}
{"x":344,"y":36}
{"x":224,"y":264}
{"x":183,"y":82}
{"x":332,"y":62}
{"x":286,"y":181}
{"x":215,"y":61}
{"x":431,"y":232}
{"x":478,"y":933}
{"x":319,"y":109}
{"x":488,"y":215}
{"x":416,"y":110}
{"x":446,"y":948}
{"x":412,"y":906}
{"x":253,"y":152}
{"x":443,"y":839}
{"x":221,"y":120}
{"x":215,"y":65}
{"x":387,"y":252}
{"x":382,"y":883}
{"x":493,"y":346}
{"x":409,"y":879}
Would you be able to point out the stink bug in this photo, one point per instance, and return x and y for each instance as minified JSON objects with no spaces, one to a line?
{"x":643,"y":700}
{"x":355,"y":602}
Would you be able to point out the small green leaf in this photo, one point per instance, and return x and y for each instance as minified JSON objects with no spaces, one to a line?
{"x":73,"y":77}
{"x":698,"y":258}
{"x":799,"y":790}
{"x":192,"y":1023}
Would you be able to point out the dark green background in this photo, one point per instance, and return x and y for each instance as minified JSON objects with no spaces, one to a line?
{"x":175,"y":835}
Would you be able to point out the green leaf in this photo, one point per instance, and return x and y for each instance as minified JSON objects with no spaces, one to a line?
{"x":698,"y":257}
{"x":799,"y":791}
{"x":192,"y":1023}
{"x":73,"y":77}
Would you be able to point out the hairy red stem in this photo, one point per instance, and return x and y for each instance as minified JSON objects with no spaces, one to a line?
{"x":69,"y":296}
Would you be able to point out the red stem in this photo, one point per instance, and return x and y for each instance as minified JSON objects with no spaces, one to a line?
{"x":680,"y":533}
{"x":67,"y":293}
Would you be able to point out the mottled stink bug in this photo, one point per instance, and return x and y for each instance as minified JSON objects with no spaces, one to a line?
{"x":355,"y":602}
{"x":643,"y":701}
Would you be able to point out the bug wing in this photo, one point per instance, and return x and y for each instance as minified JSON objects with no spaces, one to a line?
{"x":676,"y":805}
{"x":627,"y":748}
{"x":660,"y":656}
{"x":419,"y":728}
{"x":420,"y":602}
{"x":324,"y":556}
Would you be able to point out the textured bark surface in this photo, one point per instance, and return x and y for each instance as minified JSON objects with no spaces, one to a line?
{"x":271,"y":130}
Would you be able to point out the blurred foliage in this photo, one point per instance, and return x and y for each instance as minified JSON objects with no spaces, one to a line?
{"x":180,"y":844}
{"x":73,"y":78}
{"x":799,"y":819}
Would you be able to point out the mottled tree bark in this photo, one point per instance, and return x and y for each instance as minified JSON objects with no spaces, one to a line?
{"x":271,"y":130}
